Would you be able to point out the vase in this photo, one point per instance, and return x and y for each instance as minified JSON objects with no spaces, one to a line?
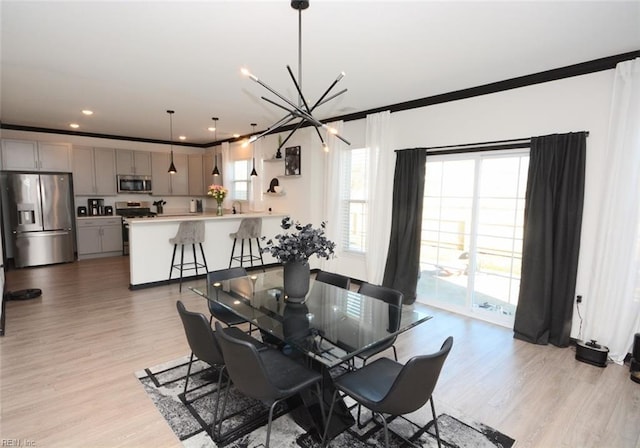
{"x":296,"y":280}
{"x":219,"y":209}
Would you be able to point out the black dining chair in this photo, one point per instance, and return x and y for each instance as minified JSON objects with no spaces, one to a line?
{"x":392,"y":297}
{"x":388,"y":387}
{"x":224,"y":315}
{"x":331,"y":278}
{"x":204,"y":346}
{"x":266,"y":375}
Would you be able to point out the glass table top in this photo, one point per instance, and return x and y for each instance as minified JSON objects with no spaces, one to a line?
{"x":331,"y":325}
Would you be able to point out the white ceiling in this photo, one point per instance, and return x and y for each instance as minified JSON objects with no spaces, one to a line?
{"x":131,"y":61}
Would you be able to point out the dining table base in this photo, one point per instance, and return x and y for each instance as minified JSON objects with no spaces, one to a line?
{"x":310,"y":416}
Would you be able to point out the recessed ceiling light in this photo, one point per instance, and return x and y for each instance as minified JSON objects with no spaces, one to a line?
{"x":74,"y":125}
{"x":182,"y":137}
{"x":87,"y":112}
{"x":236,"y":135}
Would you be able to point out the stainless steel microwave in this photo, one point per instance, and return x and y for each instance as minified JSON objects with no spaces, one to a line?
{"x":134,"y":184}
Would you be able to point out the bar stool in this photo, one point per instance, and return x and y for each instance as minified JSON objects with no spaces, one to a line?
{"x":189,"y":232}
{"x":250,"y":229}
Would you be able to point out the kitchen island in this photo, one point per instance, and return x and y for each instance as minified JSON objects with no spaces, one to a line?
{"x":150,"y":251}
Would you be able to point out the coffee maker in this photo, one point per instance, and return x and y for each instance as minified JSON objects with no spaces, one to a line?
{"x":95,"y":206}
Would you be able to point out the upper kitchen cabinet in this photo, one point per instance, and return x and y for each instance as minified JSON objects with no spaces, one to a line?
{"x":164,"y":184}
{"x":200,"y":177}
{"x":196,"y":175}
{"x":25,"y":155}
{"x":94,"y":171}
{"x":133,"y":162}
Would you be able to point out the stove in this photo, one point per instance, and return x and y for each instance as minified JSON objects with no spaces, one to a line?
{"x":132,"y":209}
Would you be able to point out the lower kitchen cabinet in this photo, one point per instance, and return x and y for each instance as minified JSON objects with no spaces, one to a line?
{"x":99,"y":237}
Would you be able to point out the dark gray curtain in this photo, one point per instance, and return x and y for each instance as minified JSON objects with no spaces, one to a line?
{"x":552,"y":223}
{"x":403,"y":260}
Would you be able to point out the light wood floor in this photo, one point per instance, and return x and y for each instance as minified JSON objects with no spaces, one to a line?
{"x":68,"y":359}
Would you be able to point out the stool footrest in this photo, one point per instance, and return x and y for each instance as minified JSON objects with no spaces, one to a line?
{"x":190,"y":266}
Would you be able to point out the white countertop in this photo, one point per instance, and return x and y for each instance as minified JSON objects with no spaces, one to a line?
{"x":167,"y":217}
{"x":98,"y":217}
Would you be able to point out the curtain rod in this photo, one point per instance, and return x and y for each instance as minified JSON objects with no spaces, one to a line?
{"x":495,"y":145}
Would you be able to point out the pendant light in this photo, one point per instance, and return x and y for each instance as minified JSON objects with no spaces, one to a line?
{"x":172,"y":167}
{"x":253,"y":171}
{"x":216,"y":171}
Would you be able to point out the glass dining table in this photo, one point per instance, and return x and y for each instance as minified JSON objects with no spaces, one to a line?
{"x":331,"y":325}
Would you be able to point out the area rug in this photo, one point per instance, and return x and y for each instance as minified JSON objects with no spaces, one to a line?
{"x":244,"y":422}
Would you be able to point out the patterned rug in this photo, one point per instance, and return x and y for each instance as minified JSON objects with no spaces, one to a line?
{"x":244,"y":422}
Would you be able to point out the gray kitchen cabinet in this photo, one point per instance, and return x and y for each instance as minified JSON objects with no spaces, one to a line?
{"x":196,"y":175}
{"x":94,"y":171}
{"x":164,"y":183}
{"x":26,"y":155}
{"x":133,"y":162}
{"x":99,"y":237}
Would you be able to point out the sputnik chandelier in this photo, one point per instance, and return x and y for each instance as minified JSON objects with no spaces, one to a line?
{"x":301,"y":110}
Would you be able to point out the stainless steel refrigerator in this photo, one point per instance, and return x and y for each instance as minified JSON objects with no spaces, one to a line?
{"x":39,"y":208}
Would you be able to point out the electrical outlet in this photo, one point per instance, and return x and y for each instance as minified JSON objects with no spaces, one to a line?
{"x":578,"y":299}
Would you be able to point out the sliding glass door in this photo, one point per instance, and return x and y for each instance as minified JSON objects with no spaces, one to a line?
{"x":471,"y":248}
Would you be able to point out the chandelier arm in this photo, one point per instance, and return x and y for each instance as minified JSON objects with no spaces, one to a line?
{"x":290,"y":134}
{"x":297,"y":112}
{"x":283,"y":121}
{"x":293,"y":111}
{"x":343,"y":139}
{"x":282,"y":97}
{"x":326,"y":100}
{"x":306,"y":117}
{"x":320,"y":100}
{"x":319,"y":135}
{"x":300,"y":94}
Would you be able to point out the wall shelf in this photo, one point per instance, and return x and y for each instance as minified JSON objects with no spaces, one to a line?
{"x":291,"y":176}
{"x":274,"y":160}
{"x":269,"y":193}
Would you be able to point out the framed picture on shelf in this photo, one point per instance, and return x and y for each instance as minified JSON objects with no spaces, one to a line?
{"x":292,"y":161}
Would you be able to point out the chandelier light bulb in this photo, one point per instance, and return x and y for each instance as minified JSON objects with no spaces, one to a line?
{"x":246,"y":72}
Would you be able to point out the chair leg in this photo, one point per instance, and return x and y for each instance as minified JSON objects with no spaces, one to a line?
{"x":224,"y":405}
{"x":435,"y":421}
{"x":195,"y":259}
{"x":273,"y":406}
{"x":260,"y":252}
{"x":386,"y":431}
{"x":219,"y":391}
{"x":242,"y":252}
{"x":250,"y":252}
{"x":233,"y":250}
{"x":204,"y":260}
{"x":181,"y":265}
{"x":173,"y":257}
{"x":395,"y":353}
{"x":186,"y":382}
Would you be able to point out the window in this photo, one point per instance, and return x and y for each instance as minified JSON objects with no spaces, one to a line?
{"x":355,"y":186}
{"x":240,"y":184}
{"x":471,"y":245}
